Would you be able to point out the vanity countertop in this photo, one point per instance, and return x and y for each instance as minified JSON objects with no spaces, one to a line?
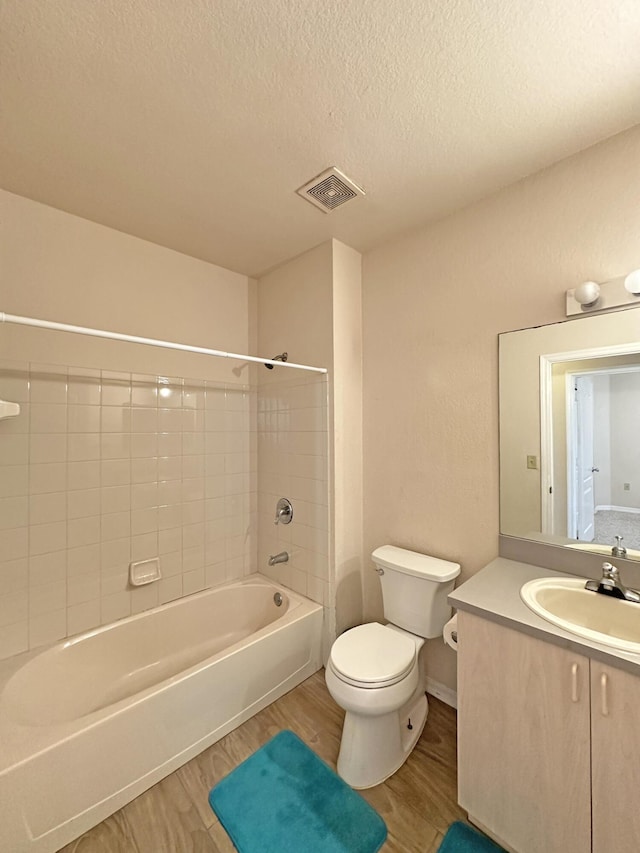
{"x":494,"y":593}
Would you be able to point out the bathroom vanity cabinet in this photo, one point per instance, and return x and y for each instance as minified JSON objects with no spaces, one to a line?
{"x":548,"y":743}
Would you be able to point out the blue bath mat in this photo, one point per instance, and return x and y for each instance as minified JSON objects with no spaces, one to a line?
{"x":461,"y":838}
{"x":284,"y":799}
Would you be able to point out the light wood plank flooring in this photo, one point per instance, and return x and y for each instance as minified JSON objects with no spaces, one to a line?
{"x":417,"y":803}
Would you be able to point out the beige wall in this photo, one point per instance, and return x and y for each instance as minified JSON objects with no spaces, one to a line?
{"x":311,"y":308}
{"x":101,"y":467}
{"x":347,"y":434}
{"x":434,"y":302}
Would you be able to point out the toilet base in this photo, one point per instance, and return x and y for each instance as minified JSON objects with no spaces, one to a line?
{"x":374,"y":748}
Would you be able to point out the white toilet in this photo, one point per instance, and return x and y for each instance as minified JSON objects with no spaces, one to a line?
{"x":376,"y":673}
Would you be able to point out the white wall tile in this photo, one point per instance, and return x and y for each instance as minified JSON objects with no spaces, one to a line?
{"x":47,"y":418}
{"x":144,"y":391}
{"x":144,"y":470}
{"x":115,"y":419}
{"x":83,"y":447}
{"x":193,"y":581}
{"x":14,"y":575}
{"x":14,"y":512}
{"x":44,"y":538}
{"x":47,"y":477}
{"x":116,"y":388}
{"x":48,"y":383}
{"x":14,"y":639}
{"x":115,"y":445}
{"x":171,"y":564}
{"x":82,"y":418}
{"x":14,"y":449}
{"x":83,"y":386}
{"x":14,"y":480}
{"x":48,"y":568}
{"x":83,"y":503}
{"x":47,"y":448}
{"x":47,"y":598}
{"x":144,"y":495}
{"x":115,"y":606}
{"x":144,"y":598}
{"x":83,"y":617}
{"x":85,"y":559}
{"x":169,"y":589}
{"x":144,"y":546}
{"x":83,"y":475}
{"x":114,"y":581}
{"x":115,"y":525}
{"x":83,"y":531}
{"x":47,"y":628}
{"x":14,"y":607}
{"x":144,"y":521}
{"x":170,"y":540}
{"x":144,"y":444}
{"x":116,"y":498}
{"x":115,"y":472}
{"x":84,"y":588}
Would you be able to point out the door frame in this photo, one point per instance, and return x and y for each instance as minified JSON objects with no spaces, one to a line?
{"x":547,"y":362}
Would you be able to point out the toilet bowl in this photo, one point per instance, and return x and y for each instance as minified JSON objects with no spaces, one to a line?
{"x":375,"y":672}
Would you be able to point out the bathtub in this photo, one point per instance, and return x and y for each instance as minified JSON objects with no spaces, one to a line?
{"x":90,"y":723}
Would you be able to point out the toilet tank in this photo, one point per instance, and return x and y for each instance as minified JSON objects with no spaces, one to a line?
{"x":415,"y":589}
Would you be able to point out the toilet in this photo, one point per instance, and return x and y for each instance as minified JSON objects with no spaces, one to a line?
{"x":376,"y":672}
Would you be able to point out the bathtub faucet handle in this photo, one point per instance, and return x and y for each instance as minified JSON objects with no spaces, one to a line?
{"x":284,"y":512}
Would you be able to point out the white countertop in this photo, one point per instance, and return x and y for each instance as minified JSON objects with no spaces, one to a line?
{"x":494,"y":593}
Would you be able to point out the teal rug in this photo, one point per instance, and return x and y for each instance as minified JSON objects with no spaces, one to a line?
{"x":461,"y":838}
{"x":284,"y":799}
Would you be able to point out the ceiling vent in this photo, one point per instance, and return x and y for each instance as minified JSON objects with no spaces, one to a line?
{"x":329,"y":190}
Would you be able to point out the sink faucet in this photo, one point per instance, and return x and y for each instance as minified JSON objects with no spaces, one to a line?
{"x":618,"y":549}
{"x":610,"y":584}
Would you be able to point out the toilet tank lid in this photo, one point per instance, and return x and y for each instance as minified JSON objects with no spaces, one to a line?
{"x":412,"y":563}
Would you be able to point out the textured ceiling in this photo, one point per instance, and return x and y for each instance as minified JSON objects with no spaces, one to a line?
{"x":192,"y":123}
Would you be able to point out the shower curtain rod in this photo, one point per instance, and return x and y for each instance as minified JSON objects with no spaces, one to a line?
{"x":133,"y":339}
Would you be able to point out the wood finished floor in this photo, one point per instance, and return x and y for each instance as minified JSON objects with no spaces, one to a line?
{"x":417,"y":803}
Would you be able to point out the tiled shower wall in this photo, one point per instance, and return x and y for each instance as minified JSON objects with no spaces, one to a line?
{"x":103,"y":468}
{"x":293,"y":447}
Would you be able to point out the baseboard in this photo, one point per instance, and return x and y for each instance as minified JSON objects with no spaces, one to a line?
{"x":442,"y":692}
{"x":616,"y":508}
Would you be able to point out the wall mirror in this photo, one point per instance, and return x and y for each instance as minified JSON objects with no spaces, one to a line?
{"x":570,"y":433}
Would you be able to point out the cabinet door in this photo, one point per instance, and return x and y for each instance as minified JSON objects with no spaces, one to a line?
{"x":523,"y":738}
{"x":615,"y":723}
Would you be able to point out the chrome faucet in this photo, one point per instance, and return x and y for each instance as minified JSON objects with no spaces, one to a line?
{"x":618,"y":549}
{"x":610,"y":584}
{"x":282,"y":557}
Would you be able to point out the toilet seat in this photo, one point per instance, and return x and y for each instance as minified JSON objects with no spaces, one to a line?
{"x":372,"y":656}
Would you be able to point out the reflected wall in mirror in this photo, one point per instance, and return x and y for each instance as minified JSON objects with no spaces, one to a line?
{"x":570,"y":433}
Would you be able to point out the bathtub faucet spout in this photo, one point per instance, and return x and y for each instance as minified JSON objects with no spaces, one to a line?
{"x":282,"y":557}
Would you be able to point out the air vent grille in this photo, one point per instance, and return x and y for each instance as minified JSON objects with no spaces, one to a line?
{"x":329,"y":190}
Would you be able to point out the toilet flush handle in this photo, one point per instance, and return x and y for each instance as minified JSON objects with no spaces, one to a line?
{"x":379,"y":570}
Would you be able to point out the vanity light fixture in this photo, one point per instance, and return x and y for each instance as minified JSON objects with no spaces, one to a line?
{"x":632,"y":283}
{"x":587,"y":293}
{"x":590,"y":296}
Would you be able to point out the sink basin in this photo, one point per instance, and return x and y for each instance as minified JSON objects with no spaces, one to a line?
{"x":599,"y":618}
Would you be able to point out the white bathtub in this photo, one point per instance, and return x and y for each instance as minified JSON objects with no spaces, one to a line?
{"x":90,"y":723}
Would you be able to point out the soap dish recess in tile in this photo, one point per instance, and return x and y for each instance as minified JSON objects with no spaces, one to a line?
{"x":144,"y":571}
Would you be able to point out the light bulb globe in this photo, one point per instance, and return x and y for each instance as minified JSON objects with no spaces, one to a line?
{"x":587,"y":293}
